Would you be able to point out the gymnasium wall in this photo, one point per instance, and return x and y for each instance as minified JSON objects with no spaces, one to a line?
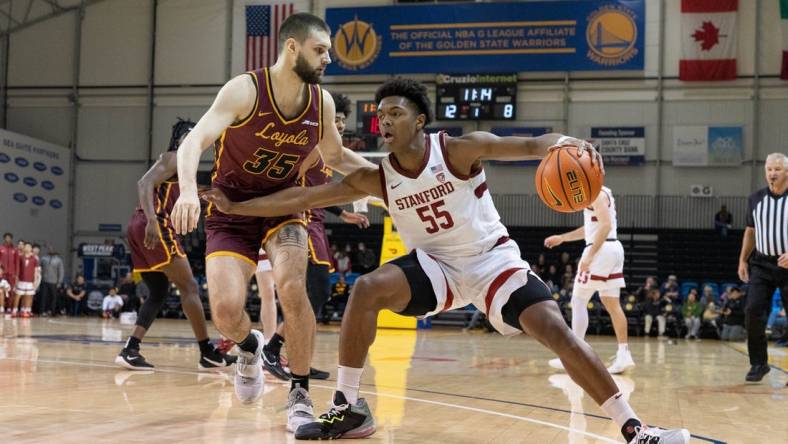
{"x":108,"y":54}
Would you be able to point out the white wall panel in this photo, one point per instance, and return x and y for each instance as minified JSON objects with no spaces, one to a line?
{"x":113,"y":133}
{"x":42,"y":55}
{"x":116,"y":38}
{"x":106,"y":193}
{"x":48,"y":123}
{"x":191,"y":42}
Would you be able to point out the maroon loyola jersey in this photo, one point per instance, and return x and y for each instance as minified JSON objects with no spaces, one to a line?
{"x":261,"y":154}
{"x":164,"y":197}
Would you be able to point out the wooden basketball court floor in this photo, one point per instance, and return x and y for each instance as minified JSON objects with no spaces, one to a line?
{"x":58,"y":384}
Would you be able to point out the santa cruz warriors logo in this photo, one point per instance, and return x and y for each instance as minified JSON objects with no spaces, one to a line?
{"x":356,"y":45}
{"x":611,"y":35}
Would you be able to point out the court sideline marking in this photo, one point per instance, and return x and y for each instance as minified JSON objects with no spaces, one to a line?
{"x":387,"y":395}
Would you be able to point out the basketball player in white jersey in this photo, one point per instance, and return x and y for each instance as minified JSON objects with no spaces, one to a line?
{"x":601,"y":269}
{"x":437,"y":195}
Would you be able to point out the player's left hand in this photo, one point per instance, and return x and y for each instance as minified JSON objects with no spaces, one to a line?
{"x":583,"y":147}
{"x":782,"y":261}
{"x":354,"y":218}
{"x":585,"y":265}
{"x":151,"y":234}
{"x":219,"y":199}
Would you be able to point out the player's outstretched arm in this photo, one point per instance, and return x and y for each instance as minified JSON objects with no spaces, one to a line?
{"x":471,"y":148}
{"x":164,"y":168}
{"x":333,"y":153}
{"x":297,"y":199}
{"x":235,"y":101}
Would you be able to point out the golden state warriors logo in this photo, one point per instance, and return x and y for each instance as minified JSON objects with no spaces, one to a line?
{"x":356,"y":45}
{"x":611,"y":35}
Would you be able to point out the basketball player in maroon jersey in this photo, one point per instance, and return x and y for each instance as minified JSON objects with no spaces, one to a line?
{"x":264,"y":124}
{"x":436,"y":192}
{"x":158,"y":255}
{"x":314,"y":172}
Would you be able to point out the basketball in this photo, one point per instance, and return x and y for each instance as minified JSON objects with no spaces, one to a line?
{"x":568,"y":183}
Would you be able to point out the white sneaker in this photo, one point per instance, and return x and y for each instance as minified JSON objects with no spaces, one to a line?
{"x":655,"y":435}
{"x":299,"y":409}
{"x":556,"y":363}
{"x":249,"y":373}
{"x":623,"y":362}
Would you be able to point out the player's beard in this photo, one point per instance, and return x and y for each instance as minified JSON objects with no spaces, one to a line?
{"x":308,"y":74}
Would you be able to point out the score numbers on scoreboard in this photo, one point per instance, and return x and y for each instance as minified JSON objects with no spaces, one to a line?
{"x":476,"y":97}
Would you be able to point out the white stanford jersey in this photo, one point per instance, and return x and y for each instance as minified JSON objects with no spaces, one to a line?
{"x":590,"y":223}
{"x":438,"y":209}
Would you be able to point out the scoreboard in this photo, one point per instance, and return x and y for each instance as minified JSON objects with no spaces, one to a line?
{"x":476,"y":97}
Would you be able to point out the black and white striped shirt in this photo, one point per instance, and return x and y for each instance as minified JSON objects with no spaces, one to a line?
{"x":768,"y":214}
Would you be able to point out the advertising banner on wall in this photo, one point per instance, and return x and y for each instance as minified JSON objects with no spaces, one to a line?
{"x":34,"y":191}
{"x":620,"y":145}
{"x":488,"y":37}
{"x":707,"y":145}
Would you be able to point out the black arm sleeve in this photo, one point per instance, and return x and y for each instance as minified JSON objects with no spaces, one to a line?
{"x":335,"y":210}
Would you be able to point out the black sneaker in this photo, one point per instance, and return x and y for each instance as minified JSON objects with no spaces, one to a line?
{"x":132,"y":360}
{"x":757,"y":372}
{"x":318,"y":374}
{"x":215,"y":360}
{"x":342,"y":421}
{"x":273,"y":365}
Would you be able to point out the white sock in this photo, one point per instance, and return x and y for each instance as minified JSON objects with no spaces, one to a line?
{"x":623,"y":348}
{"x":348,"y":382}
{"x":618,"y":408}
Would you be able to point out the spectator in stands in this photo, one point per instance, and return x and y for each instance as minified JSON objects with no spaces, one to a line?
{"x":723,"y":221}
{"x":670,"y":290}
{"x":5,"y":288}
{"x":708,"y":294}
{"x":343,"y":262}
{"x":643,"y":291}
{"x":76,"y":296}
{"x":733,"y":317}
{"x":128,"y":291}
{"x":552,"y":278}
{"x":655,"y":308}
{"x":568,"y":279}
{"x":565,"y":260}
{"x":692,"y":312}
{"x":366,"y":259}
{"x":112,"y":304}
{"x":52,"y":275}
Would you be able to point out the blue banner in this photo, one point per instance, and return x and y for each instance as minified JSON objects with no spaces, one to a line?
{"x":620,"y":145}
{"x":590,"y":35}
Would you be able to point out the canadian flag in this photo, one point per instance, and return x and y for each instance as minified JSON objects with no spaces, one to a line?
{"x":708,"y":39}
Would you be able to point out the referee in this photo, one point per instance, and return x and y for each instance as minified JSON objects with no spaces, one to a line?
{"x":767,"y":233}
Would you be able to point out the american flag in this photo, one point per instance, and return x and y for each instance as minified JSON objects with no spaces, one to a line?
{"x":262,"y":33}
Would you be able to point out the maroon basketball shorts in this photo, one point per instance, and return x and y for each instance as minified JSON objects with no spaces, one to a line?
{"x":242,"y":236}
{"x":319,"y":250}
{"x":165,"y":250}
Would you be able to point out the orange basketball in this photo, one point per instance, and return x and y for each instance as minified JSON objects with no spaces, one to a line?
{"x":567,"y":183}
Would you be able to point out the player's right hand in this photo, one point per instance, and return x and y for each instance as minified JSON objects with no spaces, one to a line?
{"x":553,"y":241}
{"x":186,"y":213}
{"x":744,"y":273}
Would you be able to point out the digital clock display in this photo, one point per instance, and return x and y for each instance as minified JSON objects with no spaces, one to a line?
{"x":476,"y":97}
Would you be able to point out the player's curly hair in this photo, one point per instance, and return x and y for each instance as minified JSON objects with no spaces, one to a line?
{"x":180,"y":128}
{"x":411,"y":90}
{"x":341,"y":103}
